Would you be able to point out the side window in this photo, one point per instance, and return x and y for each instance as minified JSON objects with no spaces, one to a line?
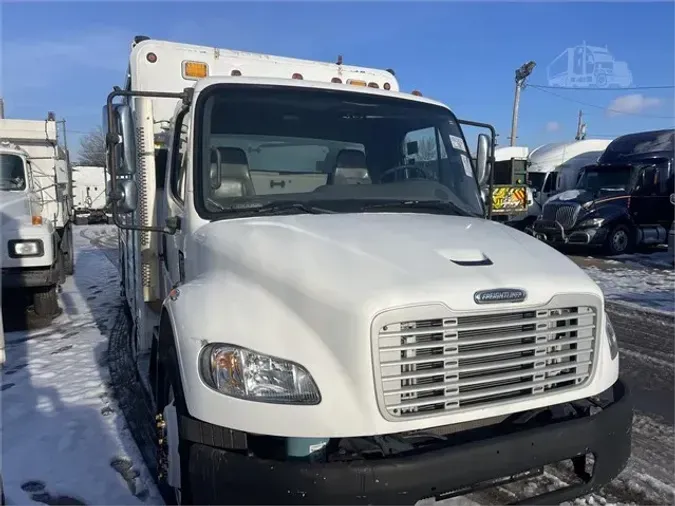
{"x":420,"y":146}
{"x":179,"y":157}
{"x":420,"y":149}
{"x":665,"y":180}
{"x":646,"y":181}
{"x":550,"y":183}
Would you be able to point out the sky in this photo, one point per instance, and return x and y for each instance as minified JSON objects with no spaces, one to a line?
{"x":66,"y":56}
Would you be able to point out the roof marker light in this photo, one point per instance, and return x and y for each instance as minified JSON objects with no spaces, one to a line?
{"x":297,"y":76}
{"x":235,"y":73}
{"x":356,"y":82}
{"x":195,"y":69}
{"x":336,"y":80}
{"x":151,"y":57}
{"x":373,"y":85}
{"x":417,"y":93}
{"x":387,"y":86}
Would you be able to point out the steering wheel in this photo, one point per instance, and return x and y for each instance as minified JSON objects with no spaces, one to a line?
{"x":407,"y":169}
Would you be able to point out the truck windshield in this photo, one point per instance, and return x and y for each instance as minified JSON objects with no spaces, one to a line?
{"x":606,"y":178}
{"x":12,"y":173}
{"x":264,"y":144}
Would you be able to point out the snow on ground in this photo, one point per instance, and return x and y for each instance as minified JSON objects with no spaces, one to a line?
{"x":63,"y":439}
{"x":636,"y":284}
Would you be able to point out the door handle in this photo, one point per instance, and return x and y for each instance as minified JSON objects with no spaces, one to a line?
{"x":274,"y":183}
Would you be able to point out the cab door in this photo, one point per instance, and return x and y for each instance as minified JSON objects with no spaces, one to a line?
{"x":173,"y":244}
{"x":644,"y":196}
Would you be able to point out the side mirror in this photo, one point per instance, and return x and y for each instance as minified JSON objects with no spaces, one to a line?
{"x":482,"y":153}
{"x":125,"y":149}
{"x":128,"y":196}
{"x":484,"y":195}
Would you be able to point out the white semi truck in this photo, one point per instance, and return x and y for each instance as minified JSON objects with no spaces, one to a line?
{"x":89,"y":194}
{"x":322,"y":318}
{"x":35,"y":211}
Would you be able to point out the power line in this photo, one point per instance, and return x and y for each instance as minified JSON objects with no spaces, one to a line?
{"x":545,"y":90}
{"x":668,"y":87}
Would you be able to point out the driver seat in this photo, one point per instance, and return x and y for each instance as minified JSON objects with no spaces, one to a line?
{"x":235,"y":178}
{"x":350,"y":168}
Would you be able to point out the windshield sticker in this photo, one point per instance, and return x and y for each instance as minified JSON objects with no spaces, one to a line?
{"x":457,"y":143}
{"x":467,"y":166}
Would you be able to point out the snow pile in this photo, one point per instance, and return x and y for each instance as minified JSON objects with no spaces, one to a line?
{"x":64,"y":440}
{"x":648,"y":288}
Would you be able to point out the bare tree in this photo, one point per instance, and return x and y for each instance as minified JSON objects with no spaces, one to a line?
{"x":92,"y":148}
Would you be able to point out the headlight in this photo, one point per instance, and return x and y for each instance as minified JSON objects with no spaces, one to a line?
{"x":26,"y":248}
{"x":593,"y":222}
{"x":249,"y":375}
{"x":611,"y":337}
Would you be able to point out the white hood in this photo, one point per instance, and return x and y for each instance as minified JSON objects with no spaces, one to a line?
{"x":382,"y":260}
{"x":14,"y":209}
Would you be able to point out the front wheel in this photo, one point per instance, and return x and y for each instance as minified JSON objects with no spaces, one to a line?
{"x":45,"y":302}
{"x":619,"y":240}
{"x":69,"y":252}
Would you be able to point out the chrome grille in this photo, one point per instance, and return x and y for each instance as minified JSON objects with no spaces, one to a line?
{"x":439,"y":365}
{"x":564,"y":213}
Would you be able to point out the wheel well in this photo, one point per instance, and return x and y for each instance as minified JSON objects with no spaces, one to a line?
{"x":164,"y":342}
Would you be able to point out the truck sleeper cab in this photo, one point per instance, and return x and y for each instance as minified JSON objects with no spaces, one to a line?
{"x":323,"y":314}
{"x":619,"y":203}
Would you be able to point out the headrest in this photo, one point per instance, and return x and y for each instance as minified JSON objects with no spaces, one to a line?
{"x":350,"y":159}
{"x":233,"y":156}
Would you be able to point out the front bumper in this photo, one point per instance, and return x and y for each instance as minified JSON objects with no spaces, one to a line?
{"x":553,"y":233}
{"x":34,"y":277}
{"x":441,"y":473}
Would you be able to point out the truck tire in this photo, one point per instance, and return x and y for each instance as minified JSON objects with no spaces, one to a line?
{"x":45,"y":302}
{"x":60,"y":266}
{"x":69,"y":252}
{"x":620,"y":240}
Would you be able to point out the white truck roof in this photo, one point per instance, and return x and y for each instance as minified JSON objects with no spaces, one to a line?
{"x":28,"y":131}
{"x":157,"y":65}
{"x":509,"y":152}
{"x":548,"y":157}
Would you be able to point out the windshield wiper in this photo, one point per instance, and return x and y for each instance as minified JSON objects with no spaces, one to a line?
{"x":278,"y":207}
{"x":432,"y":205}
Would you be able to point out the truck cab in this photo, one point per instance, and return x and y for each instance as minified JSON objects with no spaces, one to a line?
{"x":555,"y":167}
{"x":621,"y":201}
{"x":321,"y":312}
{"x":32,"y":264}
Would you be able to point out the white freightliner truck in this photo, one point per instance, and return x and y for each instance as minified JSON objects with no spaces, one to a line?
{"x":35,"y":211}
{"x":320,"y":316}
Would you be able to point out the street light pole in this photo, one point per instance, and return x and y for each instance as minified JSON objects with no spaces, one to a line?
{"x":522,"y":73}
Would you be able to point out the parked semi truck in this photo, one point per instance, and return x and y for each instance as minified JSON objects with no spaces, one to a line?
{"x":322,"y":317}
{"x":555,"y":167}
{"x":89,"y":194}
{"x":622,"y":201}
{"x":36,"y":211}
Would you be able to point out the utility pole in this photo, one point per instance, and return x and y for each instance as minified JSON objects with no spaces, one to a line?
{"x":581,"y":127}
{"x":522,"y":73}
{"x":2,"y":108}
